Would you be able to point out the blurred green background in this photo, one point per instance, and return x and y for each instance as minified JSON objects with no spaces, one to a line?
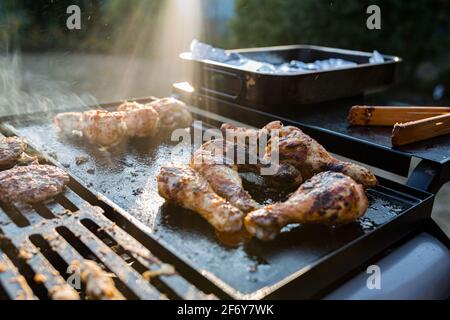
{"x":418,"y":31}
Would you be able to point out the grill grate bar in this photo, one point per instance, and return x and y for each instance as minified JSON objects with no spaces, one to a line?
{"x":56,"y":207}
{"x":28,"y":212}
{"x":61,"y":246}
{"x":12,"y":282}
{"x":74,"y":198}
{"x":180,"y":286}
{"x":12,"y":218}
{"x":113,"y":262}
{"x":45,"y":273}
{"x":5,"y":220}
{"x":63,"y":249}
{"x":175,"y":283}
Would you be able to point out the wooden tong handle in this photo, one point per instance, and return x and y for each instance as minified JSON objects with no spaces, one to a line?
{"x":390,"y":115}
{"x":413,"y":131}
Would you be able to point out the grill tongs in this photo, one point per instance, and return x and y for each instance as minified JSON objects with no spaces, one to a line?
{"x":411,"y":124}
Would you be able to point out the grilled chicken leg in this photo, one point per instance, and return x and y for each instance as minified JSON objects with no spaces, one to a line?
{"x":310,"y":157}
{"x":217,"y":161}
{"x":103,"y":127}
{"x":172,"y":113}
{"x":306,"y":154}
{"x":141,"y":120}
{"x":282,"y":174}
{"x":187,"y":188}
{"x":328,"y":197}
{"x":211,"y":162}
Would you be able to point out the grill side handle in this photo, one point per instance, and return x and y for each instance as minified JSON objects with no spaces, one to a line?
{"x":221,"y":83}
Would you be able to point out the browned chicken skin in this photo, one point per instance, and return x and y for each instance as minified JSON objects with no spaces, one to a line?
{"x":132,"y":119}
{"x":172,"y":113}
{"x":328,"y":197}
{"x":211,"y":162}
{"x":141,"y":120}
{"x":104,"y":128}
{"x":284,"y":174}
{"x":306,"y":154}
{"x":187,"y":188}
{"x":216,"y":161}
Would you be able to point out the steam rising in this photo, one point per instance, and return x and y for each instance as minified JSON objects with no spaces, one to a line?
{"x":24,"y":92}
{"x":178,"y":22}
{"x":150,"y":69}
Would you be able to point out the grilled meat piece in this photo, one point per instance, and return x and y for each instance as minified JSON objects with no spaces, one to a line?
{"x":220,"y":162}
{"x":173,"y":113}
{"x":130,"y":106}
{"x":310,"y":157}
{"x":31,"y":184}
{"x":285,"y":175}
{"x":11,"y":149}
{"x":240,"y":135}
{"x":328,"y":197}
{"x":304,"y":153}
{"x":104,"y":128}
{"x":100,"y":127}
{"x":132,"y":119}
{"x":211,"y":162}
{"x":187,"y":188}
{"x":142,"y":120}
{"x":69,"y":123}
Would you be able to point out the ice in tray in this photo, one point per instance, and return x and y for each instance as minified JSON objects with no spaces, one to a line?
{"x":203,"y":51}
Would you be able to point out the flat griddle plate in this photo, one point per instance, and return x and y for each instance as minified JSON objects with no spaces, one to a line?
{"x":127,"y":177}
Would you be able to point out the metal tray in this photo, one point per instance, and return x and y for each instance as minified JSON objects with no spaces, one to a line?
{"x":263,"y":90}
{"x":300,"y":263}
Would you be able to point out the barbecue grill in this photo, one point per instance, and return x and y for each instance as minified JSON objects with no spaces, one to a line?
{"x":111,"y":213}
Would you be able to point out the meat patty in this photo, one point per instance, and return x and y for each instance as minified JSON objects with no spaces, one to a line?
{"x":11,"y":148}
{"x":31,"y":184}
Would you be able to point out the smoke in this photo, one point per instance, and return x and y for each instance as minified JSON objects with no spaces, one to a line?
{"x":22,"y":91}
{"x":43,"y":81}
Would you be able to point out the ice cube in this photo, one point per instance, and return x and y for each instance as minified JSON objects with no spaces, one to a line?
{"x":376,"y":57}
{"x":296,"y":65}
{"x":257,"y":66}
{"x":203,"y":51}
